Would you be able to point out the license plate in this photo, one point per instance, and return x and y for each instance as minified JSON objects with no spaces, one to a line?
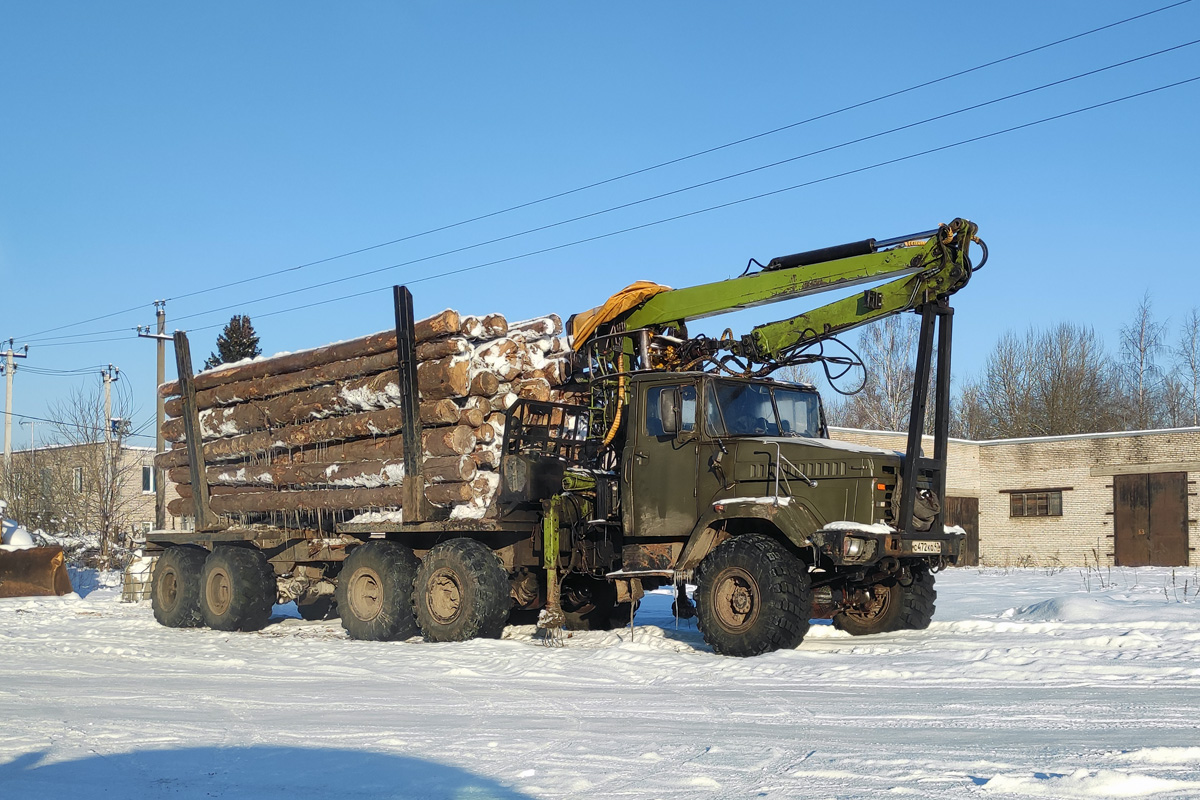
{"x":927,"y":547}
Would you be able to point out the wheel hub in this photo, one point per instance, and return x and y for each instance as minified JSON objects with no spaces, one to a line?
{"x":444,"y":596}
{"x":736,"y":597}
{"x":870,"y":604}
{"x":365,"y":594}
{"x":219,"y":591}
{"x":169,"y":588}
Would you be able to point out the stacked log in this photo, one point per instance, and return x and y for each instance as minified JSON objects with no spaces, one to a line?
{"x":321,"y":430}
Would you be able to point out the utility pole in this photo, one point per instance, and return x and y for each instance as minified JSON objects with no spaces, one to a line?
{"x":9,"y":368}
{"x":160,"y":444}
{"x":110,"y":376}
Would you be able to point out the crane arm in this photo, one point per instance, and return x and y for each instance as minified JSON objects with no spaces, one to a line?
{"x":936,"y":269}
{"x":921,"y":271}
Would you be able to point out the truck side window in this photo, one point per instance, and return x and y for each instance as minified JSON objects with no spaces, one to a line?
{"x":687,"y":409}
{"x":713,"y":423}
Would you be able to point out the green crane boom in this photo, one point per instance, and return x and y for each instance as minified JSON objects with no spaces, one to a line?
{"x":922,"y":271}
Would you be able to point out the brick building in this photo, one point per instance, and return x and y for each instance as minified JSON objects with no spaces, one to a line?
{"x":60,"y":488}
{"x":1119,"y":499}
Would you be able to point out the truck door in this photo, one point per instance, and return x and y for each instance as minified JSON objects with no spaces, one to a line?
{"x":660,"y":466}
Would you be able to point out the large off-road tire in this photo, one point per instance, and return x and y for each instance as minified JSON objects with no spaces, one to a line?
{"x":175,"y":591}
{"x":752,"y":597}
{"x":893,"y":607}
{"x":461,"y":592}
{"x":320,"y":609}
{"x":237,"y":589}
{"x":374,"y":592}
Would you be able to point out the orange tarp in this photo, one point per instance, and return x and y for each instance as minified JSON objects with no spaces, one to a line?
{"x":585,"y":323}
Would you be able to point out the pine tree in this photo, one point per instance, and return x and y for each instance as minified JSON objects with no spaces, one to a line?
{"x":236,"y":342}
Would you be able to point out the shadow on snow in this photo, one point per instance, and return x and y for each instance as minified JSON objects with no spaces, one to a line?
{"x":258,"y":772}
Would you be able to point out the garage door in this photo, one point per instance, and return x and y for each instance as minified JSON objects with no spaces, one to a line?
{"x":1150,"y":520}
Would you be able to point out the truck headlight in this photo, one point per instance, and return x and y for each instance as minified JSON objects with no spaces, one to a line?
{"x":853,"y":547}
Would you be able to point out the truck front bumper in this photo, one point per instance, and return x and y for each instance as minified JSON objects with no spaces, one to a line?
{"x":865,"y":545}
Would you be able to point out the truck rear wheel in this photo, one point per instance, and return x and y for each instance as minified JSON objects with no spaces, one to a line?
{"x":374,"y":592}
{"x":175,"y":591}
{"x":891,"y":607}
{"x":752,"y":597}
{"x":238,"y":589}
{"x":461,"y":592}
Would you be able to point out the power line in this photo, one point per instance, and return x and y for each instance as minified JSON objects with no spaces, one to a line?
{"x":662,"y":195}
{"x":641,"y":170}
{"x":93,"y":428}
{"x":760,"y":196}
{"x":61,"y":373}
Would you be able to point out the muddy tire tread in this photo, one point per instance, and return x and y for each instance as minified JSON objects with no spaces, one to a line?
{"x":786,"y":596}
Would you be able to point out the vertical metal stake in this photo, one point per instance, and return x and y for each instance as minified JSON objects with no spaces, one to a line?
{"x":416,"y":508}
{"x":205,"y":519}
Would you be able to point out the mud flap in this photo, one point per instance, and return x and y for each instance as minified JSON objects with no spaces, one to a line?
{"x":34,"y":572}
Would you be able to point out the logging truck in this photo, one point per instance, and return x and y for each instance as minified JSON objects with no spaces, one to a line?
{"x":455,"y":473}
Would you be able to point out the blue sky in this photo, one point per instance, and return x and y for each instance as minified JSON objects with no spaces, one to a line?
{"x":153,"y":150}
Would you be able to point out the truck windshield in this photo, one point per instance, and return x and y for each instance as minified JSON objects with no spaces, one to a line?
{"x":757,"y":409}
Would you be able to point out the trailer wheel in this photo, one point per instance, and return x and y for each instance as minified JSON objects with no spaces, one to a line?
{"x":461,"y":592}
{"x":238,"y":589}
{"x":752,"y":597}
{"x":175,"y":591}
{"x":320,"y":609}
{"x":374,"y":592}
{"x":892,"y":607}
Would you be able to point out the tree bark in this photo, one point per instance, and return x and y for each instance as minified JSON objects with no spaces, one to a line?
{"x":437,"y":326}
{"x":457,"y":440}
{"x":361,"y":394}
{"x":245,"y":391}
{"x":471,"y":416}
{"x":447,"y":377}
{"x":310,"y":500}
{"x":484,"y":384}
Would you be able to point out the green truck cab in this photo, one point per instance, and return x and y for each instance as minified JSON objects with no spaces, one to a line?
{"x":734,"y":484}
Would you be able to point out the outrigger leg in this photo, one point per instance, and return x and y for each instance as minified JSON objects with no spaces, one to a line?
{"x":551,"y":620}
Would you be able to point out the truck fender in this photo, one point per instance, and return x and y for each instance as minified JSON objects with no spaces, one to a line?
{"x":794,"y":524}
{"x":699,"y":544}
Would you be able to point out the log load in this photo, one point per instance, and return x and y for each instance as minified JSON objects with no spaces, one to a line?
{"x":320,"y":430}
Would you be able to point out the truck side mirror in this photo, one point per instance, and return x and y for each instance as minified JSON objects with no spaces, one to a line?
{"x":668,"y":410}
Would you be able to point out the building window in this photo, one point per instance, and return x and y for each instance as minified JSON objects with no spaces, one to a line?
{"x":147,"y":479}
{"x":1035,"y":504}
{"x":77,"y":480}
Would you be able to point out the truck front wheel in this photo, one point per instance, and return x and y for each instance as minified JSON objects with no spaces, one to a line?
{"x":175,"y":592}
{"x":461,"y":592}
{"x":374,"y":592}
{"x":238,"y":589}
{"x":891,"y":607}
{"x":752,"y":597}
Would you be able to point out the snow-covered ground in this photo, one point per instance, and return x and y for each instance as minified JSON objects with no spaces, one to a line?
{"x":1026,"y":685}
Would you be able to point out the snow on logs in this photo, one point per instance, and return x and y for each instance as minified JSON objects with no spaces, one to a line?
{"x":321,"y":430}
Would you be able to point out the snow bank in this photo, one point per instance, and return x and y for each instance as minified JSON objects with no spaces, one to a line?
{"x":1082,"y":783}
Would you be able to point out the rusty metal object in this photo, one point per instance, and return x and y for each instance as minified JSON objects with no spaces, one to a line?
{"x":34,"y":572}
{"x":657,"y":556}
